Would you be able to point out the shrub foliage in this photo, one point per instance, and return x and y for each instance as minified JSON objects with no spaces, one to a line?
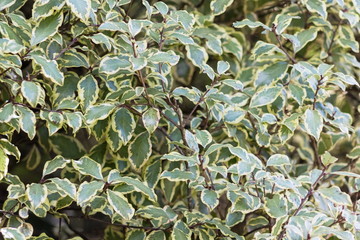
{"x":215,"y":119}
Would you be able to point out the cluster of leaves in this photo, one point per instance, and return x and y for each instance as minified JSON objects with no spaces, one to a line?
{"x":159,"y":121}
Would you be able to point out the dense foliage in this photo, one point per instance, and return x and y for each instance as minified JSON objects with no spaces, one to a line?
{"x":204,"y":119}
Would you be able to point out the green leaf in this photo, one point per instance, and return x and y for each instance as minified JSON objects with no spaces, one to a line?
{"x":98,"y":112}
{"x":276,"y":206}
{"x":66,"y":186}
{"x":152,"y":212}
{"x":100,"y":38}
{"x":219,"y":6}
{"x":151,"y":119}
{"x":88,"y":91}
{"x":178,"y":175}
{"x":7,"y":112}
{"x":87,"y":190}
{"x":87,"y":166}
{"x":135,"y":26}
{"x":74,"y":59}
{"x":184,"y":39}
{"x":10,"y":46}
{"x":138,"y":63}
{"x":355,"y":153}
{"x":234,"y":218}
{"x":333,"y":232}
{"x":181,"y":231}
{"x":152,"y":173}
{"x":123,"y":123}
{"x":140,"y":150}
{"x":175,"y":156}
{"x":9,"y":148}
{"x":197,"y":55}
{"x":59,"y":162}
{"x":114,"y":26}
{"x":165,"y":57}
{"x":304,"y":37}
{"x":162,"y":7}
{"x":282,"y":22}
{"x":222,"y":67}
{"x":4,"y":162}
{"x":74,"y":120}
{"x":234,"y":115}
{"x":156,"y":235}
{"x":10,"y":233}
{"x":36,"y":194}
{"x":120,"y":204}
{"x":347,"y":79}
{"x":6,"y":4}
{"x":111,"y":65}
{"x":138,"y":186}
{"x":271,"y":74}
{"x":32,"y":92}
{"x":46,"y":28}
{"x":298,"y":93}
{"x":233,"y":46}
{"x":265,"y":96}
{"x":261,"y":48}
{"x":347,"y":174}
{"x":278,"y":160}
{"x":186,"y":19}
{"x":136,"y":234}
{"x":313,"y":123}
{"x":49,"y":68}
{"x":317,"y":6}
{"x":335,"y":195}
{"x":27,"y":121}
{"x":214,"y":44}
{"x":66,"y":146}
{"x":81,"y":8}
{"x":210,"y":198}
{"x":203,"y":137}
{"x":250,"y":24}
{"x":235,"y":84}
{"x":327,"y":159}
{"x":191,"y":141}
{"x":225,"y":229}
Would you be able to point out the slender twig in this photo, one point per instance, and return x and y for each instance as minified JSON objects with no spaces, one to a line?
{"x":317,"y":160}
{"x":319,"y":83}
{"x":80,"y":234}
{"x":128,"y":9}
{"x":302,"y":203}
{"x":278,"y":39}
{"x":59,"y":232}
{"x":66,"y":48}
{"x":202,"y":98}
{"x":170,"y":138}
{"x":333,"y":37}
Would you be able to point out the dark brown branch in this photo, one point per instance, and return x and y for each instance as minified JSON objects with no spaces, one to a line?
{"x":66,"y":48}
{"x":278,"y":39}
{"x":319,"y":83}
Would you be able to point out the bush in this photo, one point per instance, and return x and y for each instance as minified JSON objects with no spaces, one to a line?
{"x":198,"y":119}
